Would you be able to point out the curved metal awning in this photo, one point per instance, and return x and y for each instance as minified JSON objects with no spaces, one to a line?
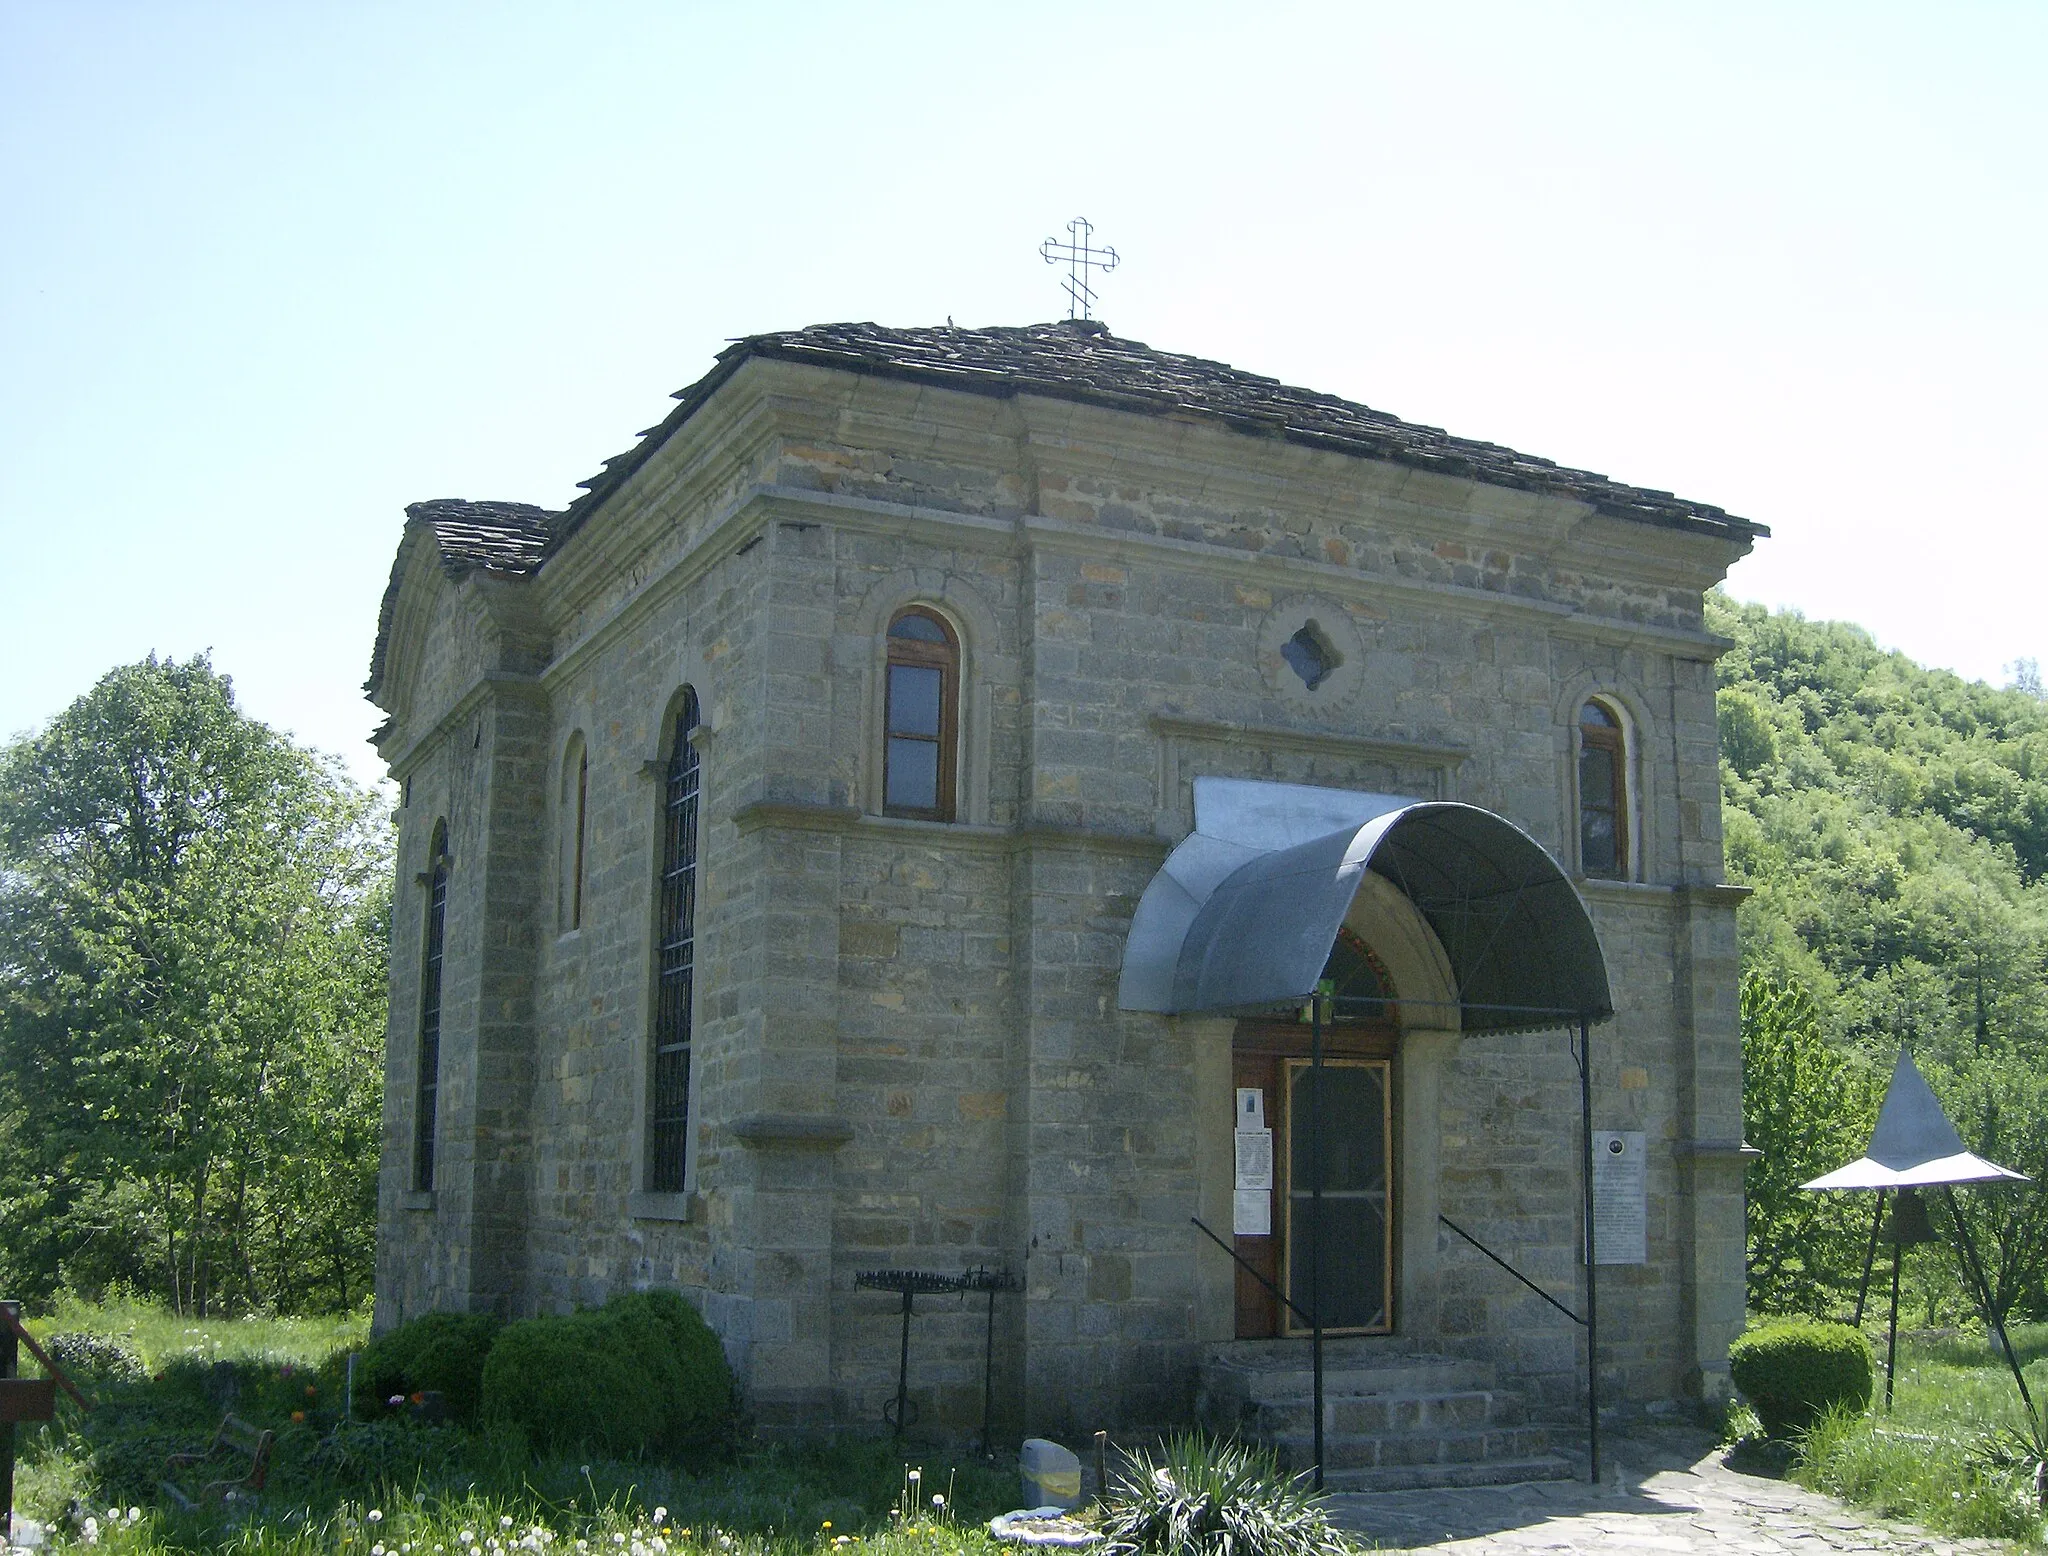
{"x":1243,"y":914}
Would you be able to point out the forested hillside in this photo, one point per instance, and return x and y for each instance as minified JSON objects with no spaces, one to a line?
{"x":1893,"y":822}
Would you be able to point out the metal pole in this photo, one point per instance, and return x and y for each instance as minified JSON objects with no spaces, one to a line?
{"x":1315,"y":1211}
{"x":1891,"y":1339}
{"x":1869,"y":1258}
{"x":988,"y":1373}
{"x":1975,"y":1266}
{"x":10,"y":1355}
{"x":903,"y":1366}
{"x":1592,"y":1282}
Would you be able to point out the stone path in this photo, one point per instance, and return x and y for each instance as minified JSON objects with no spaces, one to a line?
{"x":1668,"y":1493}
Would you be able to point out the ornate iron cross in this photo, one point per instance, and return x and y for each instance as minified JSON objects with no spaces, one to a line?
{"x":1080,"y":259}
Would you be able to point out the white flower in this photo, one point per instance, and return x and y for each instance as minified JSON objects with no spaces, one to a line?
{"x":916,"y":1476}
{"x":375,"y":1515}
{"x":660,"y":1513}
{"x":938,"y":1501}
{"x":377,"y":1549}
{"x":504,"y":1520}
{"x":91,"y":1531}
{"x":135,"y":1515}
{"x":618,"y":1539}
{"x":467,"y":1537}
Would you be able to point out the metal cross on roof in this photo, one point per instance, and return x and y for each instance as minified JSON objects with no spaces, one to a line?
{"x":1080,"y":258}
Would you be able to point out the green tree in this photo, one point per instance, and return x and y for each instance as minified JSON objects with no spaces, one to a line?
{"x":192,"y":965}
{"x":1809,"y":1109}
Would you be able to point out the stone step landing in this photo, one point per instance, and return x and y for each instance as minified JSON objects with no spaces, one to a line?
{"x":1393,"y":1420}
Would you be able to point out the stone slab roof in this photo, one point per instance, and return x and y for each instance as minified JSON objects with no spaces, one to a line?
{"x":1070,"y":360}
{"x":1081,"y":360}
{"x":498,"y":537}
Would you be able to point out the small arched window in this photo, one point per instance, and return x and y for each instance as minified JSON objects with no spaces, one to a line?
{"x":921,"y":700}
{"x":428,"y":1087}
{"x":675,"y":972}
{"x":575,"y":808}
{"x":1603,"y":792}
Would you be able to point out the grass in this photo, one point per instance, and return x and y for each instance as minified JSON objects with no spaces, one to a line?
{"x":397,"y":1488}
{"x":1942,"y":1457}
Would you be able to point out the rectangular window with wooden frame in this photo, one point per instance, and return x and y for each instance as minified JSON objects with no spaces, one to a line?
{"x":920,"y":716}
{"x":1603,"y":793}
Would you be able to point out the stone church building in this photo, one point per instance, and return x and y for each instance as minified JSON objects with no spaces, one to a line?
{"x":900,"y":816}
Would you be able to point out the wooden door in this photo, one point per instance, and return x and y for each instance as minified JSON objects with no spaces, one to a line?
{"x":1271,"y":1057}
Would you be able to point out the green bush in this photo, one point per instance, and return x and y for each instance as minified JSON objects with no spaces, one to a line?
{"x":440,"y":1351}
{"x":642,"y":1374}
{"x":1201,"y":1497}
{"x":95,"y":1358}
{"x":1794,"y":1371}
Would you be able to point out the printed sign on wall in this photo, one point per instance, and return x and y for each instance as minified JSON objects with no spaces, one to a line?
{"x":1621,"y":1202}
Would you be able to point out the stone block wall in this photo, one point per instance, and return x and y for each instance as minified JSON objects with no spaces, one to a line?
{"x":908,"y":1051}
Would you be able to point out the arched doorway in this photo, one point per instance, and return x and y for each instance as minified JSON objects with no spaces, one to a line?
{"x":1271,"y":1079}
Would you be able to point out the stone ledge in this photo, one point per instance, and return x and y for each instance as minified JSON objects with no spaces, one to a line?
{"x":416,"y":1199}
{"x":643,"y":1205}
{"x":1738,"y":1149}
{"x":792,"y":1131}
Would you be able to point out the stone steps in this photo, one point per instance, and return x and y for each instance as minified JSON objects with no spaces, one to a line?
{"x":1392,"y":1419}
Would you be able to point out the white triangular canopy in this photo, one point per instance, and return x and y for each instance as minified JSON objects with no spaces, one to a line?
{"x":1914,"y":1145}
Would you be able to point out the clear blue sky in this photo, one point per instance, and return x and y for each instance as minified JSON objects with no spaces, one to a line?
{"x":270,"y":272}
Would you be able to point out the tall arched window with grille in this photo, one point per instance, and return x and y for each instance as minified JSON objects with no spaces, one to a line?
{"x":675,"y":939}
{"x":427,"y":1089}
{"x":920,"y":737}
{"x":1603,"y":791}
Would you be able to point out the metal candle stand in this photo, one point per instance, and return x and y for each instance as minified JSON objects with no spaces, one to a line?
{"x":916,"y":1283}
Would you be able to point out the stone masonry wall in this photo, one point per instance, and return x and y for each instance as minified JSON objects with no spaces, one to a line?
{"x":908,"y":1051}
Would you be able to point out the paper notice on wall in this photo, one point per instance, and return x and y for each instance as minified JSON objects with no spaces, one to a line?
{"x":1251,"y":1213}
{"x":1251,"y":1107}
{"x":1254,"y":1159}
{"x":1620,"y":1197}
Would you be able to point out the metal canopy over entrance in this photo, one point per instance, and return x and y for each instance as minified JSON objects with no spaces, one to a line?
{"x":1243,"y":915}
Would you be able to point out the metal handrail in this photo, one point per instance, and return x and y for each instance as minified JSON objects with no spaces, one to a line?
{"x":1518,"y":1275}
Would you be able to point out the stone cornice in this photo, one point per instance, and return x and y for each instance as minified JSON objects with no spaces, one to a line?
{"x":501,"y":683}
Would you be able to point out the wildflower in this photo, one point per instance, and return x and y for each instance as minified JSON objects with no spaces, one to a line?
{"x":827,"y":1524}
{"x":660,"y":1513}
{"x":91,"y":1531}
{"x":504,"y":1521}
{"x":467,"y":1537}
{"x":375,"y":1515}
{"x":420,"y":1397}
{"x":419,"y":1499}
{"x":395,"y":1401}
{"x":312,"y":1392}
{"x":298,"y":1418}
{"x":377,"y":1549}
{"x":135,"y":1515}
{"x":938,"y":1501}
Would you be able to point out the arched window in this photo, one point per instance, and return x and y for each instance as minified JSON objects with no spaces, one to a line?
{"x":1603,"y":792}
{"x":920,"y":737}
{"x":428,"y":1089}
{"x":675,"y":940}
{"x":574,"y":809}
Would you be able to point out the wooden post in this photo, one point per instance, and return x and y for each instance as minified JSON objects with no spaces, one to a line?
{"x":10,"y":1357}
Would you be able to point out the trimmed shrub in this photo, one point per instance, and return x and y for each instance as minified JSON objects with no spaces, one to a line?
{"x":1794,"y":1371}
{"x":440,"y":1351}
{"x":642,"y":1374}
